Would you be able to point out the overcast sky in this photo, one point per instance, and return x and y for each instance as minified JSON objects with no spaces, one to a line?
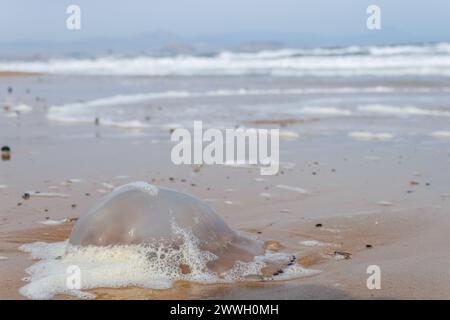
{"x":45,"y":20}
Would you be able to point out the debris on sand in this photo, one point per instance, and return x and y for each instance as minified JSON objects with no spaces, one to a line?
{"x":6,"y":153}
{"x":341,"y":255}
{"x":318,"y":225}
{"x":27,"y":195}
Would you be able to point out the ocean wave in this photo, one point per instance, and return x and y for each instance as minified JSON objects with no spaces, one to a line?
{"x":406,"y":60}
{"x":388,"y":110}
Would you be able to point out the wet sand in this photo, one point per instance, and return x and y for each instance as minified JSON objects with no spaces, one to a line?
{"x":17,"y":74}
{"x":391,"y":196}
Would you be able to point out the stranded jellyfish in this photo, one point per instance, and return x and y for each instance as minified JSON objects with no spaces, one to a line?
{"x":149,"y":236}
{"x":167,"y":221}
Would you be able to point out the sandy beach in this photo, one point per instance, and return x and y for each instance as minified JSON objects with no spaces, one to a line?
{"x":370,"y":200}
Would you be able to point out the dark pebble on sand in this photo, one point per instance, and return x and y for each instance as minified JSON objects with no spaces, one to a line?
{"x":171,"y":179}
{"x":19,"y":204}
{"x":87,"y":194}
{"x":6,"y":153}
{"x":314,"y":173}
{"x":97,"y":121}
{"x":183,"y":180}
{"x":193,"y":184}
{"x":74,"y":205}
{"x":368,"y":246}
{"x":10,"y":89}
{"x":318,"y":225}
{"x":26,"y":196}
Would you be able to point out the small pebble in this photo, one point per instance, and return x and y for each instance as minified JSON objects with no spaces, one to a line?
{"x":6,"y":153}
{"x":318,"y":225}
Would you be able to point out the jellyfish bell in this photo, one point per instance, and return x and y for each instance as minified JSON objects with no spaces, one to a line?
{"x":143,"y":214}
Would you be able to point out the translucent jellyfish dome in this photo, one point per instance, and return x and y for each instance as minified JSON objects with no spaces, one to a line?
{"x":143,"y":214}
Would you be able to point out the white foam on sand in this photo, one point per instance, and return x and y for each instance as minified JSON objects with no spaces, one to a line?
{"x":314,"y":243}
{"x":370,"y":136}
{"x":265,"y":195}
{"x":51,"y":222}
{"x":294,"y":189}
{"x":107,"y":185}
{"x":441,"y":134}
{"x":14,"y":111}
{"x":385,"y":203}
{"x":288,"y":135}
